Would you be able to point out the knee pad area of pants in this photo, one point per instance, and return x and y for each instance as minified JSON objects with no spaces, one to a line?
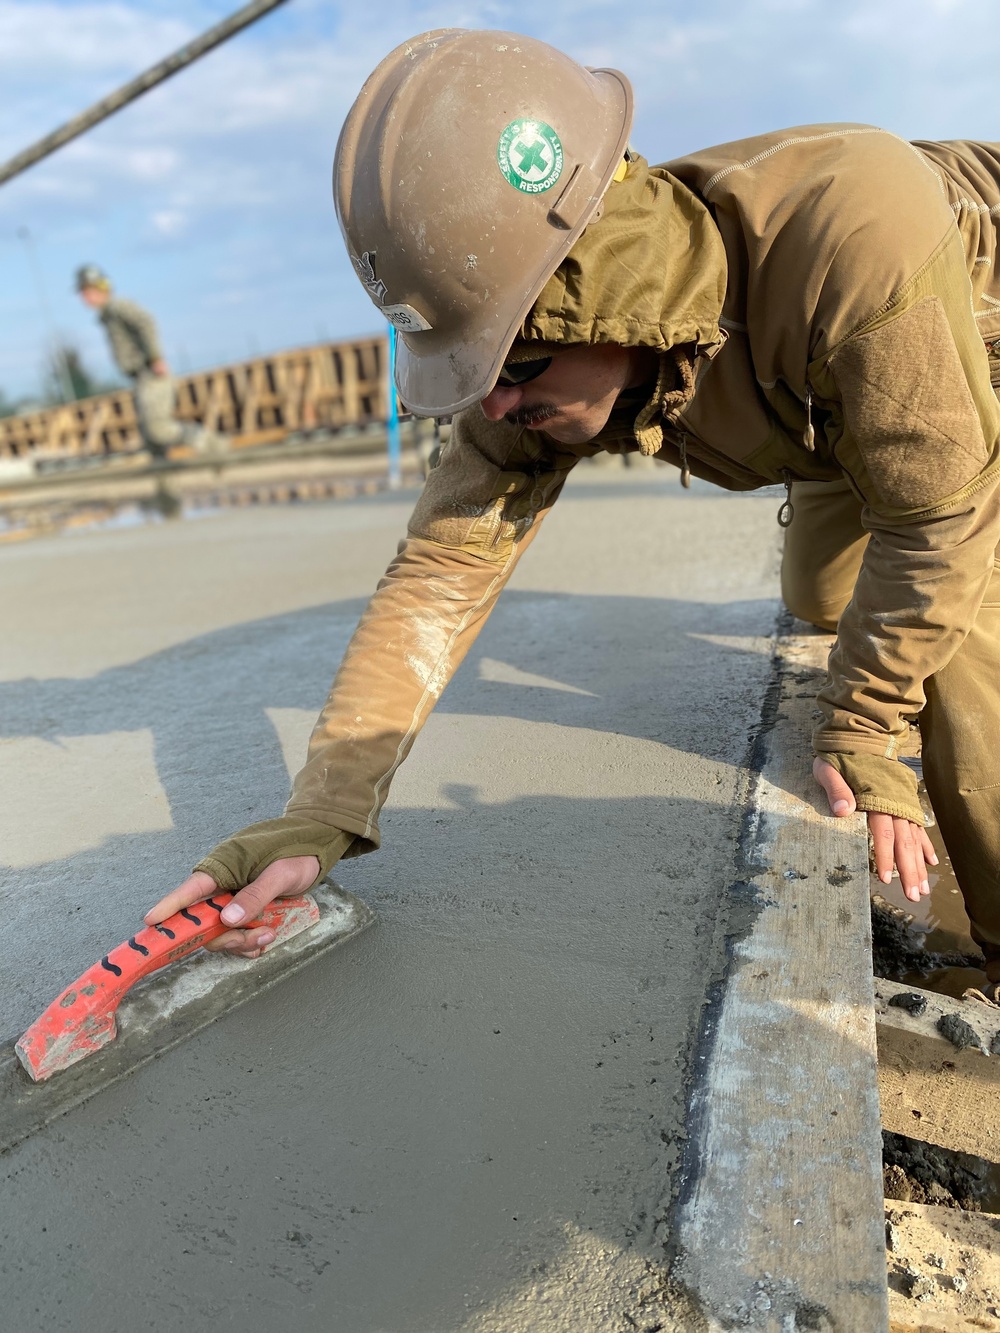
{"x":813,"y":610}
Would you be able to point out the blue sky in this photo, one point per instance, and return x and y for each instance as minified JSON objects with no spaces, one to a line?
{"x":209,"y":199}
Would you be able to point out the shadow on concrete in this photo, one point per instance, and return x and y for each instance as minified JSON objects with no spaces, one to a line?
{"x":204,"y":700}
{"x":220,"y":763}
{"x":479,"y":1106}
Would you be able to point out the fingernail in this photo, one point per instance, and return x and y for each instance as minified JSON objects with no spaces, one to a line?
{"x":266,"y":938}
{"x":233,"y":914}
{"x":841,"y":807}
{"x":886,"y":877}
{"x":924,"y":886}
{"x":933,"y":860}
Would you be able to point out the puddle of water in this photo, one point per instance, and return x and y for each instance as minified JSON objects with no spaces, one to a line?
{"x":165,"y":504}
{"x":128,"y":516}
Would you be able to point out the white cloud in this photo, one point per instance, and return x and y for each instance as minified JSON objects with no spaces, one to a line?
{"x":169,"y":222}
{"x":140,"y":163}
{"x":42,"y":36}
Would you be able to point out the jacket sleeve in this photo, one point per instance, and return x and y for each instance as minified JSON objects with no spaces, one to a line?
{"x":142,"y":325}
{"x":479,"y":510}
{"x":918,"y":438}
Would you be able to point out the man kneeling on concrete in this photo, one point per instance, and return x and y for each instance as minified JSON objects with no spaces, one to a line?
{"x":135,"y":347}
{"x":815,"y":307}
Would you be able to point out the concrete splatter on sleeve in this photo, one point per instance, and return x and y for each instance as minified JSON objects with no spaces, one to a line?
{"x":468,"y":531}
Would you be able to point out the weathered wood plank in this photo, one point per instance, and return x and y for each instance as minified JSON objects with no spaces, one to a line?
{"x":937,"y":1080}
{"x":780,"y":1220}
{"x":238,"y":400}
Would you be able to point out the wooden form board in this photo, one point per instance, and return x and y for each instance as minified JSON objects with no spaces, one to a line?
{"x":327,"y":386}
{"x":780,"y":1219}
{"x":940,"y":1086}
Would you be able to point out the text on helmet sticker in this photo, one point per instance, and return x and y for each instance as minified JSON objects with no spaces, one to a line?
{"x":402,"y":316}
{"x":530,"y":155}
{"x":405,"y":318}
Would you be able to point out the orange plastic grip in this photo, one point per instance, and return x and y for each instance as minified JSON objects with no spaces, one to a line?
{"x":82,"y":1019}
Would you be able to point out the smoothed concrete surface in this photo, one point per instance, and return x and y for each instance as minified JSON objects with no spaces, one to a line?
{"x":469,"y":1118}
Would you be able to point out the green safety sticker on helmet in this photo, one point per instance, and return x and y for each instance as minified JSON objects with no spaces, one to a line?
{"x":530,"y":155}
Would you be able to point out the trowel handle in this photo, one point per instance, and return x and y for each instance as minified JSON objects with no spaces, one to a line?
{"x":193,"y":926}
{"x":189,"y":929}
{"x":82,"y":1018}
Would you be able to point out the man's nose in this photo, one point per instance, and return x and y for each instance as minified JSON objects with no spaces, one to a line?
{"x":499,"y":401}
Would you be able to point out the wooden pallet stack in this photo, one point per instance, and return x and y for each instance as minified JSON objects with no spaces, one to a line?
{"x":329,"y":386}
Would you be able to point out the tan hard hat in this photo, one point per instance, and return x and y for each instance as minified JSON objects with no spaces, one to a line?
{"x":465,"y":171}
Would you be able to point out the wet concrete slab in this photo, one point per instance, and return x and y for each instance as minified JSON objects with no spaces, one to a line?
{"x":470,"y":1118}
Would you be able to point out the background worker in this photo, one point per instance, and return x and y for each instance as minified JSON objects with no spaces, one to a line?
{"x":135,"y":348}
{"x":810,"y":306}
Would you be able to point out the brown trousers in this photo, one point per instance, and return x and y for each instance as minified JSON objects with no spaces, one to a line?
{"x":960,"y":724}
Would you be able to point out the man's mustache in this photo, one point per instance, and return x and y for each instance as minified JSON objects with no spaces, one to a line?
{"x":531,"y":416}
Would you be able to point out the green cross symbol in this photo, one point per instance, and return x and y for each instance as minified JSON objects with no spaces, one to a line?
{"x":531,"y":156}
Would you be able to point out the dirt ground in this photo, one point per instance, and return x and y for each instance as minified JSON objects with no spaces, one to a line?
{"x":944,"y":1269}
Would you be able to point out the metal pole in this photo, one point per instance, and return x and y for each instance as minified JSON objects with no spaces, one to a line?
{"x":130,"y":91}
{"x":392,"y":424}
{"x":63,"y":377}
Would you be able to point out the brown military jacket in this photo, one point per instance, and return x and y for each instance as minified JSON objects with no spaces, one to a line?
{"x":832,"y":277}
{"x":135,"y":344}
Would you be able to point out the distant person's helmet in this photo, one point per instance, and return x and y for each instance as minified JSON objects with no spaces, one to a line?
{"x":467,"y":168}
{"x":89,"y":275}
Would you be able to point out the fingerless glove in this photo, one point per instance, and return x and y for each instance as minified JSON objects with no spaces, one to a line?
{"x":240,"y":859}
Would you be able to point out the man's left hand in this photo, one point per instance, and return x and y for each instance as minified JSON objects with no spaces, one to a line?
{"x":897,"y":842}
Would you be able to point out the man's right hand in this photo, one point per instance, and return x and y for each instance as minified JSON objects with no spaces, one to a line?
{"x":898,"y":843}
{"x":281,"y":879}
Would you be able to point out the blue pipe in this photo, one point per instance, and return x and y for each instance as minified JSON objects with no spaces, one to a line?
{"x":395,"y":447}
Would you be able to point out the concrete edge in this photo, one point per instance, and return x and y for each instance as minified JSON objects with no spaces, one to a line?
{"x":779,"y":1221}
{"x":168,"y":1008}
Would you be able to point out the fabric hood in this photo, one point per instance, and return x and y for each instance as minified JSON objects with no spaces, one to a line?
{"x":649,"y":272}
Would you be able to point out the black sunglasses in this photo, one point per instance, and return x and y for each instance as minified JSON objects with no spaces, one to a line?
{"x":515,"y":373}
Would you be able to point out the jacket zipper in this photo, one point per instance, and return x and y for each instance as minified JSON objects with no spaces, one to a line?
{"x":787,"y":511}
{"x":685,"y":470}
{"x":809,"y":434}
{"x":714,"y":457}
